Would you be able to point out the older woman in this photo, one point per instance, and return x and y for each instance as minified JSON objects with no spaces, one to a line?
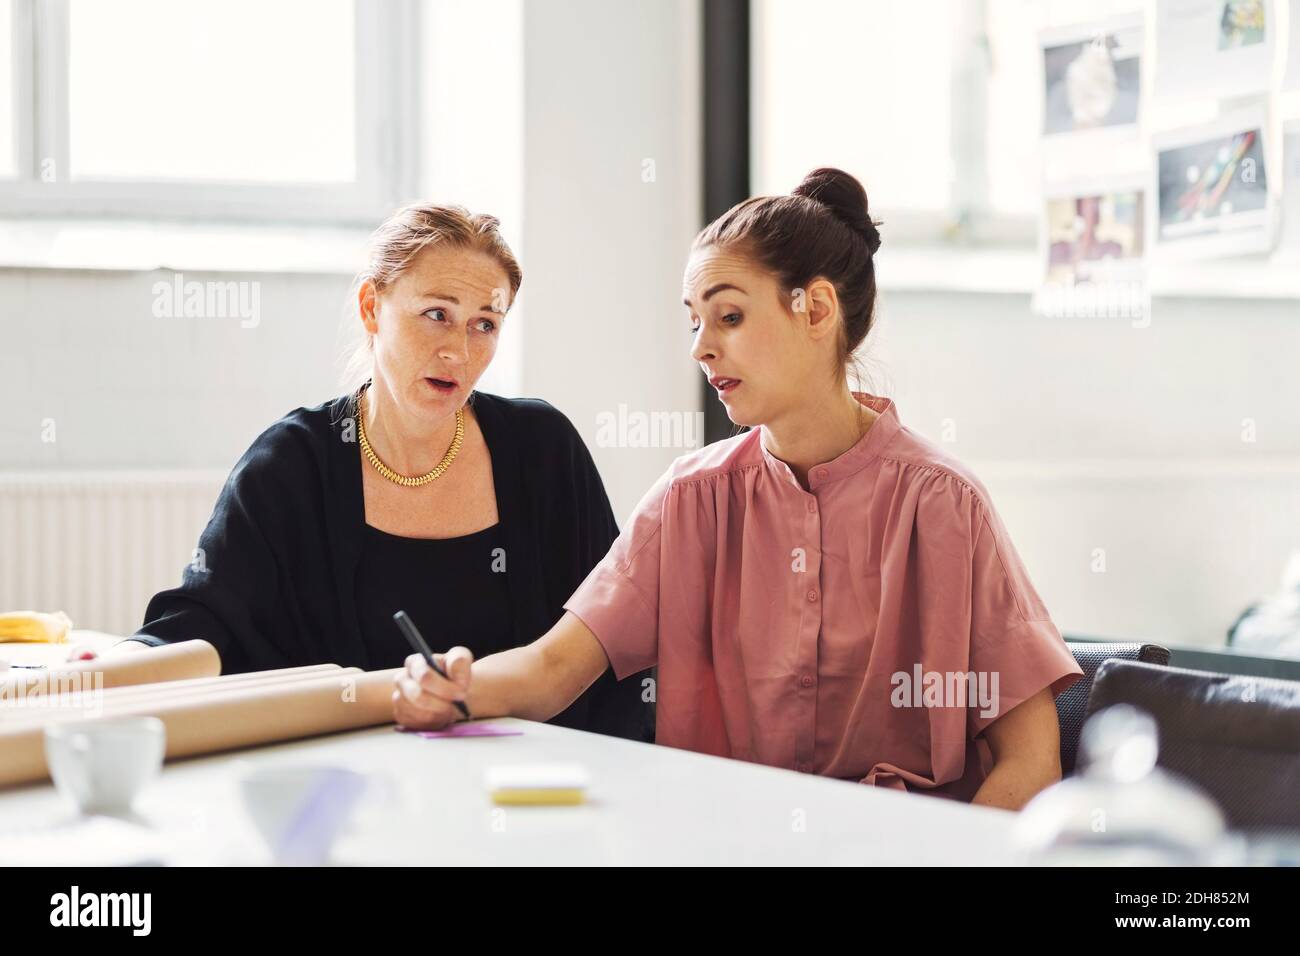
{"x":477,"y":515}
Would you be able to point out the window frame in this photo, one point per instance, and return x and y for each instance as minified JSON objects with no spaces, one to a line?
{"x":387,"y":137}
{"x":970,"y":216}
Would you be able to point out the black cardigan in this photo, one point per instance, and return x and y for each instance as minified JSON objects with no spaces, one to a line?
{"x":273,"y":582}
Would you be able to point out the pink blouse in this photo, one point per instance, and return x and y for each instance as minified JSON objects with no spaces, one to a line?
{"x":868,"y":629}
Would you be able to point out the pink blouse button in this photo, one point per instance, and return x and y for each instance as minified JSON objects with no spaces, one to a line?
{"x":821,"y":473}
{"x":806,"y":681}
{"x":812,"y":594}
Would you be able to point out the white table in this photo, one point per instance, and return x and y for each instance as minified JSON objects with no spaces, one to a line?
{"x":647,"y":805}
{"x":51,"y":655}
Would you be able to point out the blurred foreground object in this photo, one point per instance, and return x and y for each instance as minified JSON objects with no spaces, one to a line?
{"x":34,"y":627}
{"x":1121,"y":810}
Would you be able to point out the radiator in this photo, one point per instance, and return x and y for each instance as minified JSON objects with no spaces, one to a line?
{"x":98,"y":545}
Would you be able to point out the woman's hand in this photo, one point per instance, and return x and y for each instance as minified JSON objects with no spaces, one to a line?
{"x":535,"y":682}
{"x":425,"y":700}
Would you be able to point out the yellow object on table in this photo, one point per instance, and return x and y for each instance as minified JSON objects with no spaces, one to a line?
{"x":537,"y":784}
{"x":34,"y":627}
{"x":540,"y":797}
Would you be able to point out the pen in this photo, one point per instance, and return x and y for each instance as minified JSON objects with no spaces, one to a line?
{"x":416,"y":640}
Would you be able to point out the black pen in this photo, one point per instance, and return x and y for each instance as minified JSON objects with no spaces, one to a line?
{"x":416,"y":640}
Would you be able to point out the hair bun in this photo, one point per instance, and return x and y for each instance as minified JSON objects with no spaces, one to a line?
{"x":844,"y":196}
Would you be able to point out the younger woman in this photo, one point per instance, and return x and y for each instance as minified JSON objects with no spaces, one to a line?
{"x":829,"y":592}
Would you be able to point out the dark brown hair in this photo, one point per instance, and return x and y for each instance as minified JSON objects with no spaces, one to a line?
{"x":822,"y":229}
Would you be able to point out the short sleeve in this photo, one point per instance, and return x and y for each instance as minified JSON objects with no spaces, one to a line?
{"x":619,"y":600}
{"x":1013,"y":639}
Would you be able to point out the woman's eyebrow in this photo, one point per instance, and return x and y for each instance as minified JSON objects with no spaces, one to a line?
{"x":455,"y":301}
{"x":712,"y":290}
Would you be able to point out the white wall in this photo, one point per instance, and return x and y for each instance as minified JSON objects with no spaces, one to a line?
{"x":129,"y":390}
{"x":1093,"y":434}
{"x":609,"y":86}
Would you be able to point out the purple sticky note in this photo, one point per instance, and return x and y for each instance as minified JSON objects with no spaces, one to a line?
{"x":466,"y":730}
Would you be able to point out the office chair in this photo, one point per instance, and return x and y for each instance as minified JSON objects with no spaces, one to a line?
{"x":1072,"y":705}
{"x":1235,"y":736}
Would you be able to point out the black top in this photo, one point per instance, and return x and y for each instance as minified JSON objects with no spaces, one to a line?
{"x":274,"y":582}
{"x":455,"y":589}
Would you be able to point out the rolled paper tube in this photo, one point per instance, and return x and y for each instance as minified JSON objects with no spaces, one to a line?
{"x":72,"y":706}
{"x":82,"y":681}
{"x":242,"y":718}
{"x":129,"y":702}
{"x":185,"y":659}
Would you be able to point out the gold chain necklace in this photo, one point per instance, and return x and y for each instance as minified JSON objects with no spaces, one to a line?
{"x":404,"y":480}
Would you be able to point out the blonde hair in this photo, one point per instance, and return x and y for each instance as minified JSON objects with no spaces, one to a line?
{"x":397,"y":243}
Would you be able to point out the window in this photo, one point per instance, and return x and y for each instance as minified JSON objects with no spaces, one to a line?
{"x":296,"y":110}
{"x":862,"y":86}
{"x":936,"y":105}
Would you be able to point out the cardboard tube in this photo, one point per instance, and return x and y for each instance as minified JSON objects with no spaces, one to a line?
{"x":242,"y":718}
{"x":228,"y":680}
{"x":185,"y":659}
{"x":73,"y":706}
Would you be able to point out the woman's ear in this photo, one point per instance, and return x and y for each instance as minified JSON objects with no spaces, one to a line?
{"x":822,"y":305}
{"x":366,"y":294}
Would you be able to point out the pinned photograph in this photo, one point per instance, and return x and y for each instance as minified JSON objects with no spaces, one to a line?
{"x":1092,"y":76}
{"x":1085,"y":230}
{"x":1212,"y":188}
{"x":1093,"y":245}
{"x":1214,"y":47}
{"x":1241,"y":23}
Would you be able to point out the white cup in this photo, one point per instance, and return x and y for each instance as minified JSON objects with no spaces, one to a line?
{"x":102,"y":764}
